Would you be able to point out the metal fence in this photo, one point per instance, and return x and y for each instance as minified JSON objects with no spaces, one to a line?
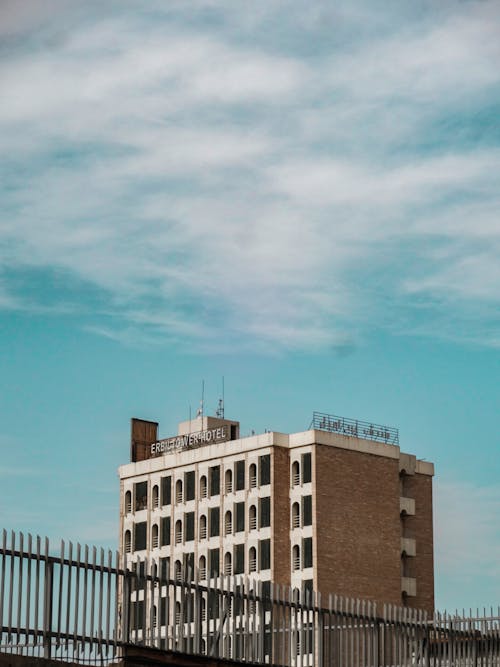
{"x":78,"y":604}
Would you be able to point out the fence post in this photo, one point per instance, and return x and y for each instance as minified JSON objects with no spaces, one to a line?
{"x":48,"y":590}
{"x":126,"y":602}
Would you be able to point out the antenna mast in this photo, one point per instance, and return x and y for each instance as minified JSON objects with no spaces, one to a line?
{"x":220,"y":408}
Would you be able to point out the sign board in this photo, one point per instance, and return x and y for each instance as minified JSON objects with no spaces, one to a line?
{"x":209,"y":436}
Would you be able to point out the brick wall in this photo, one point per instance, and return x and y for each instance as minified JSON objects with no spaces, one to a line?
{"x":281,"y":516}
{"x":358,"y":543}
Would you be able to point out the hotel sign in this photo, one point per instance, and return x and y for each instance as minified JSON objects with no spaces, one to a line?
{"x":210,"y":436}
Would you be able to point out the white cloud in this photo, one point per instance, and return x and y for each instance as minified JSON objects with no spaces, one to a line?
{"x":182,"y":167}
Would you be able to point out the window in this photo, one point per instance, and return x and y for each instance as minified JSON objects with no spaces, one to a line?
{"x":307,"y":552}
{"x":178,"y":532}
{"x":307,"y":510}
{"x":265,"y":512}
{"x":228,"y":481}
{"x":164,"y":568}
{"x":252,"y":560}
{"x":213,"y":560}
{"x":154,"y":536}
{"x":239,"y":509}
{"x":166,"y":490}
{"x":306,"y":468}
{"x":141,"y":496}
{"x":252,"y":517}
{"x":188,"y":566}
{"x":128,"y":502}
{"x":203,"y":486}
{"x":165,"y":531}
{"x":189,"y":526}
{"x":239,"y":559}
{"x":228,"y":567}
{"x":203,"y":527}
{"x":295,"y":515}
{"x":295,"y":473}
{"x":265,"y":469}
{"x":252,"y":476}
{"x":307,"y":592}
{"x":178,"y":491}
{"x":265,"y":554}
{"x":189,"y":481}
{"x":215,"y":481}
{"x":240,"y":475}
{"x":128,"y":542}
{"x":228,"y":523}
{"x":214,"y":521}
{"x":296,"y":557}
{"x":202,"y":568}
{"x":156,"y":496}
{"x":140,"y":536}
{"x":178,"y":570}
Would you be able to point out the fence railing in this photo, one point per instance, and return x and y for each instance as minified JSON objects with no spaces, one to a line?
{"x":79,"y":604}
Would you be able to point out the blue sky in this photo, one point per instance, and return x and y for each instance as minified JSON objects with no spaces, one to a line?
{"x":300,"y":197}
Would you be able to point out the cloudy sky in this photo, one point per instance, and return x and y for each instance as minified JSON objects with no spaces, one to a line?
{"x":302,"y":197}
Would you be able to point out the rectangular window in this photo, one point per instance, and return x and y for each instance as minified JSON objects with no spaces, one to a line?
{"x":140,"y":531}
{"x":165,"y":531}
{"x":265,"y":469}
{"x":265,"y":554}
{"x":189,"y":483}
{"x":164,"y":568}
{"x":239,"y":473}
{"x":215,"y":481}
{"x":213,"y":562}
{"x":166,"y":490}
{"x":141,"y":495}
{"x":239,"y":511}
{"x":307,"y":552}
{"x":239,"y":559}
{"x":307,"y":511}
{"x":265,"y":512}
{"x":189,"y":526}
{"x":214,"y":521}
{"x":307,"y":591}
{"x":306,"y":468}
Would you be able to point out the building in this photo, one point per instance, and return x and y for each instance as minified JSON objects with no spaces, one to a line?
{"x":337,"y":508}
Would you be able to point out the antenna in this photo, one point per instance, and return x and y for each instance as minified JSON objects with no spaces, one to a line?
{"x":199,"y":412}
{"x":220,"y":408}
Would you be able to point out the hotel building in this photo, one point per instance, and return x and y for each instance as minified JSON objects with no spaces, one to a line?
{"x":337,"y":508}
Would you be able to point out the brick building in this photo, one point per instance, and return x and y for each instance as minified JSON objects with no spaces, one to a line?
{"x":338,"y":508}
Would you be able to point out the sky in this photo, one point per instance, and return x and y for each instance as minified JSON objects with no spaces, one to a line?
{"x":302,"y":198}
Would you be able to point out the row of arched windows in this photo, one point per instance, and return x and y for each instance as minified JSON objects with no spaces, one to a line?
{"x":230,"y":527}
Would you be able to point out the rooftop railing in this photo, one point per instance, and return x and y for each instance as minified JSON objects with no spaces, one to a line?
{"x":355,"y":428}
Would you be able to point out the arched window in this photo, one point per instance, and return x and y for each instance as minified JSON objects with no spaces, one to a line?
{"x":154,"y":536}
{"x":203,"y":618}
{"x":156,"y":497}
{"x":296,"y":557}
{"x":128,"y":502}
{"x":229,"y":480}
{"x":252,"y":474}
{"x":203,"y":486}
{"x":252,"y":517}
{"x":203,"y":527}
{"x":178,"y":491}
{"x":228,"y":566}
{"x":252,"y":560}
{"x":228,"y":523}
{"x":202,"y":568}
{"x":295,"y":515}
{"x":154,"y":616}
{"x":178,"y":531}
{"x":178,"y":570}
{"x":128,"y":541}
{"x":295,"y":473}
{"x":177,"y":612}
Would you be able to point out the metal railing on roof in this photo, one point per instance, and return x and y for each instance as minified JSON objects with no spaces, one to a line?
{"x":355,"y":428}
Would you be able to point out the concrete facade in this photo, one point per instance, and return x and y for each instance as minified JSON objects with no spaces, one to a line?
{"x":315,"y":510}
